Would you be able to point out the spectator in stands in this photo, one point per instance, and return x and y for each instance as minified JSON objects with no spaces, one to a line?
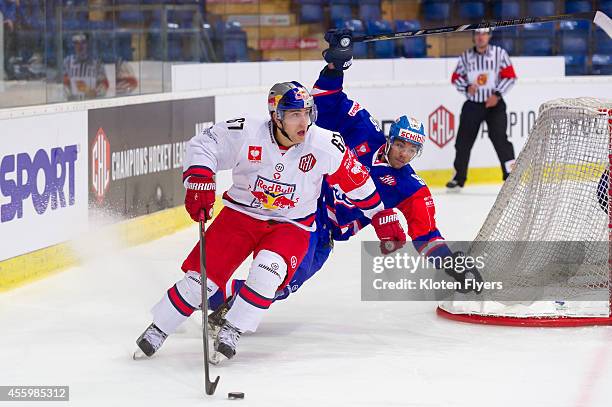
{"x":84,"y":76}
{"x":9,"y":9}
{"x":484,"y":74}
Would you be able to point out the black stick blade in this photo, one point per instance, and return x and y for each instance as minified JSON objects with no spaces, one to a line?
{"x":212,"y":386}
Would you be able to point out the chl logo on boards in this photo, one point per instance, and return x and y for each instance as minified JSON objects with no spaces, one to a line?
{"x":441,"y":126}
{"x":100,"y":165}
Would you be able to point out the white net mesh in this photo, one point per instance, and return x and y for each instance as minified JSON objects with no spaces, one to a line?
{"x":557,"y":192}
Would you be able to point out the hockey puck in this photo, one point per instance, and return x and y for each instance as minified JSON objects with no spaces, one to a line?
{"x":235,"y":395}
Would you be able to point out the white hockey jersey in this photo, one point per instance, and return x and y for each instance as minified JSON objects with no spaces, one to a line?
{"x":269,"y":185}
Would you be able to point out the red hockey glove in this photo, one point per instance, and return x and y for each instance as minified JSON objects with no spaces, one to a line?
{"x":389,"y":231}
{"x":200,"y":197}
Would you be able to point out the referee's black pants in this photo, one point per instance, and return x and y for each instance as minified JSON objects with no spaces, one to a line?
{"x":472,"y":115}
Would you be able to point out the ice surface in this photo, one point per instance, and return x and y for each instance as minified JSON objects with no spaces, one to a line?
{"x":321,"y":347}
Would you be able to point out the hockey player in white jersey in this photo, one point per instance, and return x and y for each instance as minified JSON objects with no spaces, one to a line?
{"x":278,"y":165}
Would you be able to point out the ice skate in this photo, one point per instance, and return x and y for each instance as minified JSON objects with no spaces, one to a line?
{"x":149,"y":342}
{"x":454,"y":186}
{"x":217,"y":318}
{"x":226,"y":343}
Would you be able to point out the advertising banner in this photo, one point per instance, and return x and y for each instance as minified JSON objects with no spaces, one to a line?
{"x":43,"y":181}
{"x":438,"y":106}
{"x":136,"y":154}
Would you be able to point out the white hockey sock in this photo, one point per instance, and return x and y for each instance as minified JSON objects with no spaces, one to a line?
{"x":180,"y":301}
{"x":268,"y":271}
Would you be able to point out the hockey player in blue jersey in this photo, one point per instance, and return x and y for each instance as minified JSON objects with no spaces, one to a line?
{"x":388,"y":161}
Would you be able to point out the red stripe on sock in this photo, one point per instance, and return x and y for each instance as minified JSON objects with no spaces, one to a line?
{"x":178,"y":302}
{"x":254,"y":298}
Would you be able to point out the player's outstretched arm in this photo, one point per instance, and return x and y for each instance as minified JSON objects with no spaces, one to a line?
{"x":336,"y":111}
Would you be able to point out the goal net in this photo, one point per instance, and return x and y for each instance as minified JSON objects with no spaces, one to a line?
{"x":547,"y":236}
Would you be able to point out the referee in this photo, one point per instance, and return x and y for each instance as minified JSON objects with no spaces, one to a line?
{"x":84,"y":76}
{"x":484,"y":74}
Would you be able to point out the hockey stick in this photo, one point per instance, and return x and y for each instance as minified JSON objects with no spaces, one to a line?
{"x":597,"y":17}
{"x":210,"y":386}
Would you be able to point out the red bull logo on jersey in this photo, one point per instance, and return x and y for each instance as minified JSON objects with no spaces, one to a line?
{"x":272,"y":195}
{"x":441,"y":126}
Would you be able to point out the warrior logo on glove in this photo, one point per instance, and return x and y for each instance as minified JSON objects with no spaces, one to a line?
{"x":200,"y":196}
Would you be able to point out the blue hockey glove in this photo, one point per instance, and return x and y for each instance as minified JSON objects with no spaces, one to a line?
{"x":340,"y":51}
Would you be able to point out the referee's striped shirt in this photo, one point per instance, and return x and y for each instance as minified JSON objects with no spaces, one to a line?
{"x":492,"y":71}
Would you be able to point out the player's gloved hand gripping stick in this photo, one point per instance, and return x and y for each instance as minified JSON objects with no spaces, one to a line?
{"x":389,"y":230}
{"x":200,"y":196}
{"x":340,"y":51}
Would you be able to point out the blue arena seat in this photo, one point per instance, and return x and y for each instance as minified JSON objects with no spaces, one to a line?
{"x":102,"y":45}
{"x":340,"y":10}
{"x":577,"y":6}
{"x":34,"y":16}
{"x":311,"y":11}
{"x":603,"y":44}
{"x":369,"y":10}
{"x":536,"y":8}
{"x":538,"y":39}
{"x":436,"y":10}
{"x":360,"y":49}
{"x":132,"y":16}
{"x":537,"y":46}
{"x":507,"y":43}
{"x":506,"y":9}
{"x":234,"y":43}
{"x":602,"y":64}
{"x":411,"y":47}
{"x":507,"y":38}
{"x":606,"y":7}
{"x":183,"y":18}
{"x":382,"y":49}
{"x":574,"y":37}
{"x":575,"y":64}
{"x":124,"y":46}
{"x":471,"y":9}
